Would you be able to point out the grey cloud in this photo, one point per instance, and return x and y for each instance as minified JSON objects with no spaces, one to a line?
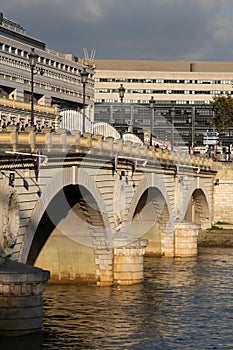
{"x":132,"y":29}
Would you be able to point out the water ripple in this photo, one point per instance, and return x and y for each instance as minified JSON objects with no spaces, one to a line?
{"x":183,"y":304}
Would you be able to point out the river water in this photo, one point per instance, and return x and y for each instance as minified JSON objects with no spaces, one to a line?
{"x":182,"y":304}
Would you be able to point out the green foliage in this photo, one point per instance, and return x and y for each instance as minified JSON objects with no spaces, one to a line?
{"x":214,"y":227}
{"x":222,"y":117}
{"x":223,"y":223}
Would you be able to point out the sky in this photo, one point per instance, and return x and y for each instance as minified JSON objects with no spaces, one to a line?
{"x":184,"y":30}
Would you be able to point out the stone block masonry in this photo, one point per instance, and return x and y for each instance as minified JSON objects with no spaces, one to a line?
{"x":21,"y":302}
{"x":223,"y":194}
{"x":128,"y":263}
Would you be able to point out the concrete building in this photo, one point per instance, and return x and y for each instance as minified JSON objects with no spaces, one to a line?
{"x":188,"y":86}
{"x":60,"y":83}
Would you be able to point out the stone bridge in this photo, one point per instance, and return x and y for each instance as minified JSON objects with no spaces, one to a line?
{"x":87,"y":208}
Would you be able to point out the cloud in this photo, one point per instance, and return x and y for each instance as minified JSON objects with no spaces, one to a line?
{"x":90,"y":10}
{"x":132,"y":29}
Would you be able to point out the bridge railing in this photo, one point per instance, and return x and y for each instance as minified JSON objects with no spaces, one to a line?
{"x":27,"y":106}
{"x":60,"y":142}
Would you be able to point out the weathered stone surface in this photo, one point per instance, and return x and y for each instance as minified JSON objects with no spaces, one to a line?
{"x":21,"y":306}
{"x":128,"y":263}
{"x":186,"y":239}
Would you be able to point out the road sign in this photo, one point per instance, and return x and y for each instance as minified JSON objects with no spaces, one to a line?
{"x":210,"y":138}
{"x":210,"y":142}
{"x":211,"y":134}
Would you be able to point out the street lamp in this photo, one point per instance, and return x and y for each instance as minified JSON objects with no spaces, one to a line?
{"x":152,"y":106}
{"x":84,"y":75}
{"x":121,"y":91}
{"x":32,"y":62}
{"x":172,"y":117}
{"x":189,"y":120}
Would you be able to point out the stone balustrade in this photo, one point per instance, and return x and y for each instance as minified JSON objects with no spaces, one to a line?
{"x":60,"y":141}
{"x":27,"y":106}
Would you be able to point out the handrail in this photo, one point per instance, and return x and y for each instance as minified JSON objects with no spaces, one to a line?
{"x":26,"y":106}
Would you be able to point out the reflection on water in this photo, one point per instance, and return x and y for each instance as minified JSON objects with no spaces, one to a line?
{"x":183,"y":304}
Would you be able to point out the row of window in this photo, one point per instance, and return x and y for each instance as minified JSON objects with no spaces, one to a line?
{"x":162,"y":81}
{"x":25,"y":66}
{"x":131,"y":101}
{"x":40,"y":85}
{"x":42,"y":60}
{"x":167,"y":92}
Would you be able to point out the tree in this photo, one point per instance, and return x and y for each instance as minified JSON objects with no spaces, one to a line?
{"x":222,"y":118}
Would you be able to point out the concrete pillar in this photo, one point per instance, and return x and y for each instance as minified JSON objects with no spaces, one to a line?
{"x":21,"y":301}
{"x":186,"y":239}
{"x":128,"y":263}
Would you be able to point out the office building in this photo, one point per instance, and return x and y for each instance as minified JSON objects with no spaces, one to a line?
{"x":188,"y":86}
{"x":60,"y":84}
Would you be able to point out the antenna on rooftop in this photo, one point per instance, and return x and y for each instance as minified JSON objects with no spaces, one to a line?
{"x":89,"y":60}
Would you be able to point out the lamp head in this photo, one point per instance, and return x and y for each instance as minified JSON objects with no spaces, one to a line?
{"x":152,"y":102}
{"x":32,"y":58}
{"x":121,"y":91}
{"x":84,"y":75}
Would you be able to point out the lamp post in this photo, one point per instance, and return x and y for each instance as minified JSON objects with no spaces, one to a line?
{"x":32,"y":62}
{"x":189,"y":120}
{"x":121,"y":91}
{"x":152,"y":106}
{"x":172,"y":117}
{"x":84,"y":75}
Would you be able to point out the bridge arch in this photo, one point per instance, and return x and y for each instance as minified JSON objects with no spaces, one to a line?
{"x":86,"y":212}
{"x":197,"y":204}
{"x":151,"y":216}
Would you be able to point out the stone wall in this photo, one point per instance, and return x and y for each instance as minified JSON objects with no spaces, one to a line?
{"x":223,"y":194}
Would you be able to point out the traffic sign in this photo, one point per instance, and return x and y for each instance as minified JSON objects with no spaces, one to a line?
{"x":210,"y":138}
{"x":210,"y":142}
{"x":211,"y":134}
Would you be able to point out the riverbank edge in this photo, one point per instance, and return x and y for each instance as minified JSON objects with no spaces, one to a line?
{"x":222,"y":238}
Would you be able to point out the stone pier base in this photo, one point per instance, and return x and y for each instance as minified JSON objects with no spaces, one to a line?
{"x":128,"y":263}
{"x":21,"y":301}
{"x":186,"y":239}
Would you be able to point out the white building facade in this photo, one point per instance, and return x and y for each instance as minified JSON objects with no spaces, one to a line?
{"x":189,"y":87}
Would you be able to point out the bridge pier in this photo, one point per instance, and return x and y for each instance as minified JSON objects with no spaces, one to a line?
{"x":121,"y":265}
{"x":128,"y":262}
{"x":186,"y":239}
{"x":21,"y":301}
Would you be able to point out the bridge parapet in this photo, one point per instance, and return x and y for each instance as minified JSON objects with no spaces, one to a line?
{"x":46,"y":142}
{"x":5,"y":102}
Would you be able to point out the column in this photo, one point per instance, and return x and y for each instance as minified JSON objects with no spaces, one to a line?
{"x":186,"y":239}
{"x":128,"y":262}
{"x":21,"y":300}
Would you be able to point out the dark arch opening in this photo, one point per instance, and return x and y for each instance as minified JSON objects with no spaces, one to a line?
{"x":151,"y":220}
{"x":198,"y":210}
{"x":58,"y":208}
{"x":150,"y":195}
